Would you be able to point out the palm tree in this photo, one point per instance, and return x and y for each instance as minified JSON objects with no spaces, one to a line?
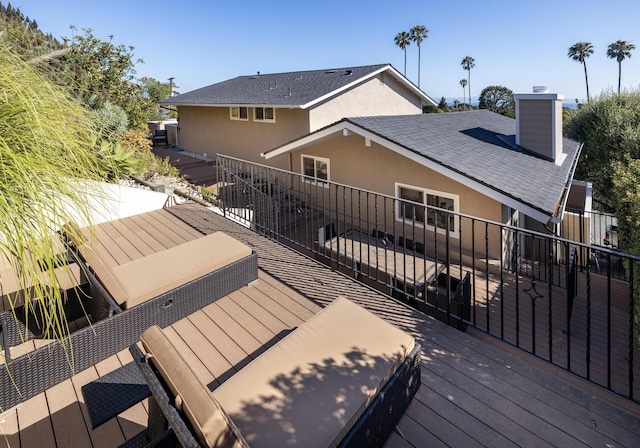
{"x":402,"y":40}
{"x":463,"y":83}
{"x":47,"y":152}
{"x":417,"y":34}
{"x":580,"y":52}
{"x":467,"y":64}
{"x":619,"y":50}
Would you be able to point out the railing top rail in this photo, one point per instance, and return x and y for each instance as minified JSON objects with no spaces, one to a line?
{"x":520,"y":230}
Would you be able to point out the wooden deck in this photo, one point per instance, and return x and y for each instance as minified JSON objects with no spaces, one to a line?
{"x":476,"y":390}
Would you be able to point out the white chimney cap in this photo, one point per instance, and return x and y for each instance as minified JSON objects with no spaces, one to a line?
{"x":540,"y":89}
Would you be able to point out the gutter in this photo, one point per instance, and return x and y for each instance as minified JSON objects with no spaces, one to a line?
{"x":558,"y":213}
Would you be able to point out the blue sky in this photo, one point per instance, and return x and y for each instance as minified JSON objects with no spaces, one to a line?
{"x":515,"y":43}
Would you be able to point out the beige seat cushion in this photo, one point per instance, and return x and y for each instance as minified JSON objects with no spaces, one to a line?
{"x":311,"y":387}
{"x":192,"y":397}
{"x":143,"y":278}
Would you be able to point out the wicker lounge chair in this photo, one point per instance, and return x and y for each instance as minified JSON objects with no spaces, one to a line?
{"x":343,"y":378}
{"x":123,"y":301}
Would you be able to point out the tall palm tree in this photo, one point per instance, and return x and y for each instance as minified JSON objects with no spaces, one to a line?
{"x":467,"y":64}
{"x":418,"y":33}
{"x":620,"y":50}
{"x":403,"y":40}
{"x":463,"y":83}
{"x":580,"y":52}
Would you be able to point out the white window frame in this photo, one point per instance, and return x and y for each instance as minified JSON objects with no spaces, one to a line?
{"x":264,"y":120}
{"x":427,"y":192}
{"x":239,"y":115}
{"x":315,"y":179}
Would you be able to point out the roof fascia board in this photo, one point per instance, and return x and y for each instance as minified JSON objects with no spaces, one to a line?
{"x":454,"y":175}
{"x":310,"y":138}
{"x":275,"y":106}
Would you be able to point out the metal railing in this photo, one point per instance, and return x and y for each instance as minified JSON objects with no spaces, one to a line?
{"x":567,"y":302}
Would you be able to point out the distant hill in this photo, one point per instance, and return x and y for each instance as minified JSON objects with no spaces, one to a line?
{"x":23,"y":33}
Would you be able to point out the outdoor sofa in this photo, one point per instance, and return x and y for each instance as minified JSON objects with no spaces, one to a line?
{"x":343,"y":378}
{"x":123,"y":301}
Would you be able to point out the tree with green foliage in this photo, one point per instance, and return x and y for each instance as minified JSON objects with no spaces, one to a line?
{"x":620,"y":50}
{"x":418,"y":33}
{"x":157,"y":91}
{"x":443,"y":105}
{"x":467,"y":64}
{"x":99,"y":71}
{"x":498,"y":99}
{"x":626,"y":178}
{"x":580,"y":52}
{"x":403,"y":40}
{"x":609,"y":126}
{"x":463,"y":83}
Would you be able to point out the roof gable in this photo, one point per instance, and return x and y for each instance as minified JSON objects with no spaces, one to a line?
{"x":471,"y":147}
{"x":301,"y":89}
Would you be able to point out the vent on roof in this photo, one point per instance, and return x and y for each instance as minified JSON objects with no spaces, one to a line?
{"x":328,"y":72}
{"x":348,"y":72}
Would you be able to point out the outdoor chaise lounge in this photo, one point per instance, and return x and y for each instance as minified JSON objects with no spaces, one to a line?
{"x":343,"y":378}
{"x":124,"y":300}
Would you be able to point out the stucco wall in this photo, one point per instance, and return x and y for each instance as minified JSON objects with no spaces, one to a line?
{"x":210,"y":130}
{"x":376,"y":168}
{"x":382,"y":95}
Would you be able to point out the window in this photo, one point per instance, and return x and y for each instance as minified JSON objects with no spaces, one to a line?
{"x":264,"y":114}
{"x":239,"y":113}
{"x":428,"y":217}
{"x":315,"y":167}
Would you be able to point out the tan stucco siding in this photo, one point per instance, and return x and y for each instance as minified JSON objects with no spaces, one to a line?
{"x":378,"y":169}
{"x":210,"y":130}
{"x":382,"y":95}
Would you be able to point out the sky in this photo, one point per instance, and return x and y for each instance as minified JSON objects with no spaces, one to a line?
{"x":517,"y":44}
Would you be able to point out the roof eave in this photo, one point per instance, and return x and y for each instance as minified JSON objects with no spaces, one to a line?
{"x":275,"y":106}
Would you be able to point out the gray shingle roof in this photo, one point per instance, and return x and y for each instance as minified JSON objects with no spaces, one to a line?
{"x":276,"y":89}
{"x":474,"y":144}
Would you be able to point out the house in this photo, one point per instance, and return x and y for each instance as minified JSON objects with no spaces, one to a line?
{"x":247,"y":115}
{"x":477,"y":163}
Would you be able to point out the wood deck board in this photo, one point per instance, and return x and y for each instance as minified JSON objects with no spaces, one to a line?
{"x":66,"y":416}
{"x":124,"y":232}
{"x":193,"y":344}
{"x":473,"y":392}
{"x":34,"y":423}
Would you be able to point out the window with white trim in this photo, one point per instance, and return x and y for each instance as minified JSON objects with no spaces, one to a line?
{"x":424,"y":216}
{"x":316,"y":167}
{"x":239,"y":113}
{"x":267,"y":114}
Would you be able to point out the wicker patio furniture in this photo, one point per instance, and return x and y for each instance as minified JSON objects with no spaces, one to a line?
{"x":343,"y":378}
{"x":123,"y":301}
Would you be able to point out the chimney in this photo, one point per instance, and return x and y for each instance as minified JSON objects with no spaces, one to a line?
{"x":539,"y":123}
